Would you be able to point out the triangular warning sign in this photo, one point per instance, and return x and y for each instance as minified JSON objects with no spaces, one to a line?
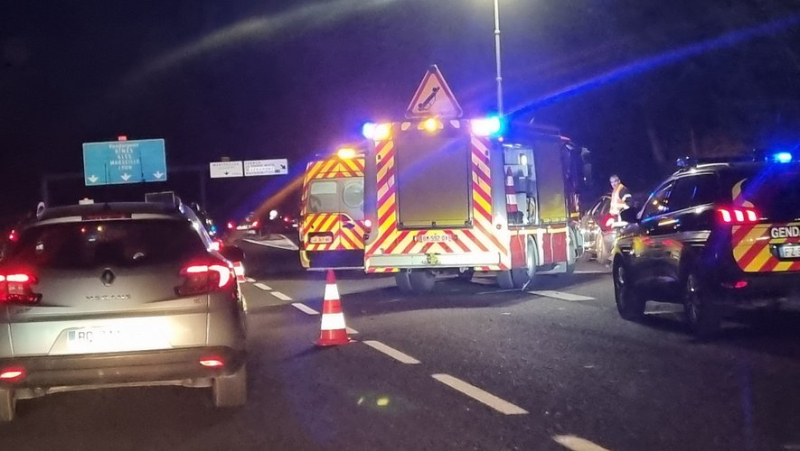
{"x":433,"y":98}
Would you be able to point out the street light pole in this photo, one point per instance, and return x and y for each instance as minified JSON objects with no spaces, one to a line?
{"x":497,"y":57}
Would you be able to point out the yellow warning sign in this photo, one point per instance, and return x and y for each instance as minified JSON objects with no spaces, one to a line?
{"x":433,"y":98}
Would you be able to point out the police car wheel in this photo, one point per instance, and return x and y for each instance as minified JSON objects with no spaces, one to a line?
{"x":630,"y":303}
{"x":704,"y":318}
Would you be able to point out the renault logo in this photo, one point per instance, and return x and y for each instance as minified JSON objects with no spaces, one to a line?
{"x":107,"y":277}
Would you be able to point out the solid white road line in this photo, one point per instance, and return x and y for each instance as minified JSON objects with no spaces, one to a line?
{"x":262,"y":286}
{"x":391,"y":352}
{"x":305,"y":309}
{"x":577,"y":444}
{"x":499,"y":291}
{"x":250,"y":279}
{"x":280,"y":296}
{"x":562,"y":296}
{"x":477,"y":394}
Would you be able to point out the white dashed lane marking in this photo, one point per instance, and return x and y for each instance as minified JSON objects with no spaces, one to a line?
{"x":391,"y":352}
{"x":250,"y":280}
{"x":351,"y":331}
{"x":305,"y":309}
{"x":263,"y":287}
{"x":577,"y":444}
{"x":280,"y":296}
{"x":477,"y":394}
{"x":562,"y":296}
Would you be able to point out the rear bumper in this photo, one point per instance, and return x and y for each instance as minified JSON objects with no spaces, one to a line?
{"x":142,"y":367}
{"x":434,"y":260}
{"x":335,"y":259}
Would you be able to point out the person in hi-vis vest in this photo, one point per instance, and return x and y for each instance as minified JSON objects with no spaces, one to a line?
{"x":620,"y":196}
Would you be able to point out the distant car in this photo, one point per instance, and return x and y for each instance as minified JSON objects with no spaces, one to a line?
{"x":272,"y":223}
{"x":715,"y":237}
{"x":117,"y":294}
{"x":597,"y":227}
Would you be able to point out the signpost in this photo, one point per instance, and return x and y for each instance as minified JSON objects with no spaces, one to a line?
{"x":120,"y":162}
{"x":225,"y":169}
{"x":266,"y":167}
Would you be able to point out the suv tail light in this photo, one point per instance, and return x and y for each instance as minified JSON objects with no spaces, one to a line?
{"x":737,"y":216}
{"x":204,"y":278}
{"x":18,"y":288}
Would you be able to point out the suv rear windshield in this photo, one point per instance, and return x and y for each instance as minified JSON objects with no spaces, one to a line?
{"x":102,"y":243}
{"x":774,"y":191}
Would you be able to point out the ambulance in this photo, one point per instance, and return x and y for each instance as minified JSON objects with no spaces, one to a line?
{"x":332,"y":225}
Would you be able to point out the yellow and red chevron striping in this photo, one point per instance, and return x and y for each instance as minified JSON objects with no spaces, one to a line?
{"x":752,"y":249}
{"x":480,"y":238}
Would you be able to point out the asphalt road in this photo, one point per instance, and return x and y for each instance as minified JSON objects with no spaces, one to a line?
{"x":552,"y":371}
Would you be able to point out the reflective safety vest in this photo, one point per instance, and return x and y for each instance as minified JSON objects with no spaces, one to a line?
{"x":618,"y":198}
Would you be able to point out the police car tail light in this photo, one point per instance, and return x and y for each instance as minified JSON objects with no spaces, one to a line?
{"x":17,"y":287}
{"x":204,"y":278}
{"x":736,"y":216}
{"x":608,"y":221}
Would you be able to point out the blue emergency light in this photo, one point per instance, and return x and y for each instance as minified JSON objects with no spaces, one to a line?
{"x":489,"y":126}
{"x":782,"y":157}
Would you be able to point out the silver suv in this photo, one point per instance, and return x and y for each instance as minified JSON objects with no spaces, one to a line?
{"x":119,"y":294}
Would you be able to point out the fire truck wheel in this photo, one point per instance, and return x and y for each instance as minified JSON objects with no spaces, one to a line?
{"x":422,"y":281}
{"x":505,"y":280}
{"x":403,"y":281}
{"x":523,"y":277}
{"x":466,"y":274}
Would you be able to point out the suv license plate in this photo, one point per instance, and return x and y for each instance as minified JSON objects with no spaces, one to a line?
{"x":102,"y":339}
{"x":789,"y":251}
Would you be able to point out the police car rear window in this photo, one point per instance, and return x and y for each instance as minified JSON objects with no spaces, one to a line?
{"x":773,"y":191}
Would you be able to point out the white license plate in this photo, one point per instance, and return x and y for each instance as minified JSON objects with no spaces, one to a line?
{"x":243,"y":227}
{"x":434,"y":238}
{"x":325,"y":239}
{"x":112,"y":339}
{"x":789,"y":251}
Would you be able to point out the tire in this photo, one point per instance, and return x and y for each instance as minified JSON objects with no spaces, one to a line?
{"x":505,"y":280}
{"x":630,"y":303}
{"x":8,"y":405}
{"x":466,"y":275}
{"x":401,"y":279}
{"x":602,"y":251}
{"x":523,"y":278}
{"x":422,"y":282}
{"x":231,"y":391}
{"x":703,"y":317}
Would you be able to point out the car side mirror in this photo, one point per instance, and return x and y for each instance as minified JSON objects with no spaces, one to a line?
{"x":629,"y":215}
{"x":232,"y":253}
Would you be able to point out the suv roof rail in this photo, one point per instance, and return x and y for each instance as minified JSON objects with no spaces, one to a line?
{"x":164,"y":197}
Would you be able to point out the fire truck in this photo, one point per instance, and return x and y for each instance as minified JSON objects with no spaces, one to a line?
{"x":332,"y":226}
{"x":447,"y":194}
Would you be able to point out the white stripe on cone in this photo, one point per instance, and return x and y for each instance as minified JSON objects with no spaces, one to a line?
{"x":333,"y":321}
{"x":331,"y":292}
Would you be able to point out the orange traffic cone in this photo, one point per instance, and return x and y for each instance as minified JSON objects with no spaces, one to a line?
{"x":511,"y":195}
{"x":333,"y":330}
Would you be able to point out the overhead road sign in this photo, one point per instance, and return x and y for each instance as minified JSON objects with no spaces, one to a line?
{"x":225,"y":169}
{"x":120,"y":162}
{"x":433,"y":98}
{"x":265,"y":167}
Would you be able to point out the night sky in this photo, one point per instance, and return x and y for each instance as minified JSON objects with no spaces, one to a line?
{"x":638,"y":82}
